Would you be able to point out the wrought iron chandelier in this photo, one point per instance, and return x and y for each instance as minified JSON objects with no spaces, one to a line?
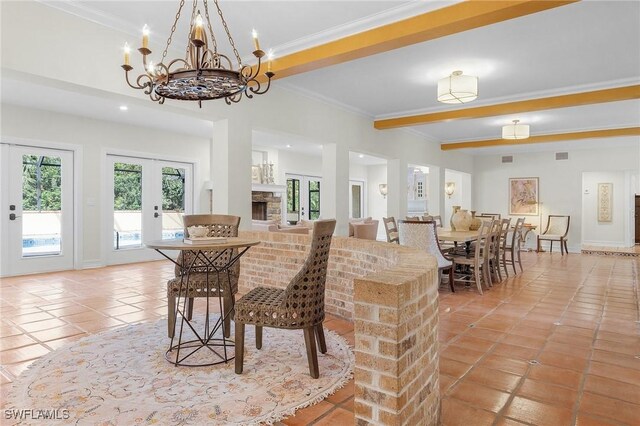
{"x":204,"y":73}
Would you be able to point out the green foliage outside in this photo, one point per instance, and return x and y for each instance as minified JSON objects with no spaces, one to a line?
{"x":172,"y":189}
{"x":49,"y":183}
{"x":127,"y":186}
{"x":314,"y":200}
{"x":293,"y":195}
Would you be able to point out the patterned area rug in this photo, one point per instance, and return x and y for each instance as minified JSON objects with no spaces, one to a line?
{"x":121,"y":377}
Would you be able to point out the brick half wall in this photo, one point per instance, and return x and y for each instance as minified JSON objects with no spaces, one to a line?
{"x":391,"y":294}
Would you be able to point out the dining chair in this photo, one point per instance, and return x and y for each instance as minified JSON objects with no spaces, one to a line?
{"x":495,"y":216}
{"x":479,"y":262}
{"x":391,"y":228}
{"x":557,"y":230}
{"x":513,"y":247}
{"x":299,"y":306}
{"x":501,"y":244}
{"x":494,"y":247}
{"x":426,"y":218}
{"x":423,"y":235}
{"x":438,"y":220}
{"x":200,"y":278}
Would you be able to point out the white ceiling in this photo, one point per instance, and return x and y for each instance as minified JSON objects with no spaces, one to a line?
{"x":580,"y":46}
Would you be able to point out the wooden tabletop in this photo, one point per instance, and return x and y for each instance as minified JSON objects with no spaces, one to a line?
{"x":457,"y":236}
{"x":231,"y":243}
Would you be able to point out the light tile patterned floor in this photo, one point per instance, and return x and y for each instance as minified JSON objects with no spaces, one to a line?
{"x":558,"y":344}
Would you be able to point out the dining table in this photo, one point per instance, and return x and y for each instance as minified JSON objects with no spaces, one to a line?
{"x":452,"y":236}
{"x":218,"y":258}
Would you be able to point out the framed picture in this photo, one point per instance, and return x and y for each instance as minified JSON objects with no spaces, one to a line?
{"x":605,"y":201}
{"x":524,"y":196}
{"x":256,"y":174}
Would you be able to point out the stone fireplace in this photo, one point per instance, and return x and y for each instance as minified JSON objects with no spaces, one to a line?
{"x":266,"y":206}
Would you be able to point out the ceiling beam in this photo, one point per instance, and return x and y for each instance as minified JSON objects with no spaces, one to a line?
{"x":453,"y":19}
{"x":557,"y":137}
{"x":539,"y":104}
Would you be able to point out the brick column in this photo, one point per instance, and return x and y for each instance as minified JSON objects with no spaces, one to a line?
{"x":396,"y":320}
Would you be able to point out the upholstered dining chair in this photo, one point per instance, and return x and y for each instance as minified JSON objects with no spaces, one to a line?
{"x":391,"y":228}
{"x":513,"y":248}
{"x":479,"y":262}
{"x":557,"y":230}
{"x":299,"y":306}
{"x":219,"y":226}
{"x":423,"y":235}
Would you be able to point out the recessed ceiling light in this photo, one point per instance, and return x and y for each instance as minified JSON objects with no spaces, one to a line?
{"x":123,"y":107}
{"x":361,"y":156}
{"x":288,"y":146}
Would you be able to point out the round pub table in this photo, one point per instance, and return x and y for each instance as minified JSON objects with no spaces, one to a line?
{"x":209,"y":254}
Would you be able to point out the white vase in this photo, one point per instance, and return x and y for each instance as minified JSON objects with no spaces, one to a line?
{"x":461,"y":220}
{"x":455,"y":210}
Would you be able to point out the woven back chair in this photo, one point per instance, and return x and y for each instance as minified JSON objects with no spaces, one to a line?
{"x":423,"y":235}
{"x":557,"y":230}
{"x":191,"y":278}
{"x":513,"y":247}
{"x":391,"y":229}
{"x":299,"y":306}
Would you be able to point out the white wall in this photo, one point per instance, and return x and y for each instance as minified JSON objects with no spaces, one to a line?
{"x":615,"y":233}
{"x":461,"y":196}
{"x":377,"y":204}
{"x":560,"y":182}
{"x":94,"y":136}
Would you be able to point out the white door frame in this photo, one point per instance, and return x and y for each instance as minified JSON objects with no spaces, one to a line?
{"x":76,"y":151}
{"x":135,"y":255}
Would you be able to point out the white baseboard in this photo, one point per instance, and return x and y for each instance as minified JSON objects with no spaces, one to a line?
{"x":92,"y":264}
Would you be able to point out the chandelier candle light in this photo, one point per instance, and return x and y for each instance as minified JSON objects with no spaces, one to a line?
{"x":204,"y":73}
{"x":515,"y":131}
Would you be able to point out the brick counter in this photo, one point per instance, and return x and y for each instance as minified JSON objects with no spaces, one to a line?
{"x":391,"y":294}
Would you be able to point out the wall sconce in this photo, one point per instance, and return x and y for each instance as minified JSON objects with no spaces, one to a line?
{"x":449,"y":188}
{"x":383,"y":189}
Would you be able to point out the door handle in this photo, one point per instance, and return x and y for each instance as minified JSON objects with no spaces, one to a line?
{"x":13,"y":216}
{"x":156,"y":214}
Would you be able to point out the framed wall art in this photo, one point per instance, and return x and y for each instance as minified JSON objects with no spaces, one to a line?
{"x":524,"y":196}
{"x":605,"y":202}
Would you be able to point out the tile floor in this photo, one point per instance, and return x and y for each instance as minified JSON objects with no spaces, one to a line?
{"x":558,"y":344}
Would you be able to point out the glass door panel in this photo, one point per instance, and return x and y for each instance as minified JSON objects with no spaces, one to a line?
{"x":41,"y":205}
{"x":293,"y":200}
{"x":175,"y":199}
{"x":127,"y":205}
{"x":314,"y":198}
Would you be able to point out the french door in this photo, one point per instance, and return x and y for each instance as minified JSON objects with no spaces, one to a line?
{"x":38,"y":210}
{"x":302,"y":198}
{"x":146,"y":201}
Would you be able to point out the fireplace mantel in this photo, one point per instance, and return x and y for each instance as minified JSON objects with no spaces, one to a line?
{"x":276,"y":189}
